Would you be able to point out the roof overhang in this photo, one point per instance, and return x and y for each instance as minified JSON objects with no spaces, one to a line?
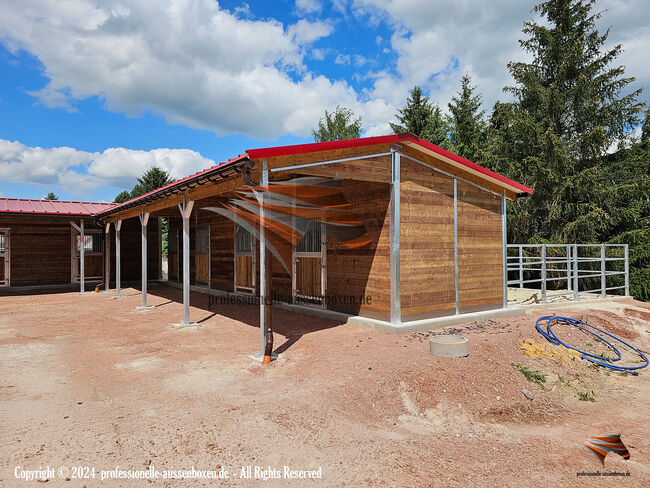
{"x":405,"y":139}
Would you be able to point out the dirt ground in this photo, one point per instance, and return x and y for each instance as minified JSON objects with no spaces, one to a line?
{"x":89,"y":381}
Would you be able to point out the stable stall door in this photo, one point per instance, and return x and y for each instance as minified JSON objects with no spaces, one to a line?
{"x":244,"y":261}
{"x":203,"y":255}
{"x":172,"y":255}
{"x":309,"y":267}
{"x":4,"y":257}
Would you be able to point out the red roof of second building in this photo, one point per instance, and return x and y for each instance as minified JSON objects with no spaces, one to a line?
{"x":56,"y":207}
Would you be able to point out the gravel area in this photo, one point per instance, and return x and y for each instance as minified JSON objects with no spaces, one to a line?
{"x":90,"y":381}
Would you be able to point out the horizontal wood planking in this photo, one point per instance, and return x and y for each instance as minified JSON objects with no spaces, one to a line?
{"x":365,"y":270}
{"x":426,"y":240}
{"x":39,"y":248}
{"x":479,"y":247}
{"x":453,"y":170}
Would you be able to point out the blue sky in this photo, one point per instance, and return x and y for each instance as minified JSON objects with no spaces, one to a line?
{"x":93,"y":93}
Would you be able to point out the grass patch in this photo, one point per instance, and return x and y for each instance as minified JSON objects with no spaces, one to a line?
{"x":530,"y":375}
{"x":586,"y":396}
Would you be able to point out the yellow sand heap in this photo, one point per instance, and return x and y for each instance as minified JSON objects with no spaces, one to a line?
{"x":535,"y":349}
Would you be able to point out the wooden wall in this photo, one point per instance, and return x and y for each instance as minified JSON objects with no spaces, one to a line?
{"x":365,"y":270}
{"x":480,"y":259}
{"x":40,"y":248}
{"x":426,"y":243}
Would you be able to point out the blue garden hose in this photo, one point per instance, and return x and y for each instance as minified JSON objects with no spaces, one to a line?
{"x":553,"y":339}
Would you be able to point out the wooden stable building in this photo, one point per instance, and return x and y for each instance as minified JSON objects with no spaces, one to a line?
{"x":392,"y":228}
{"x":40,"y":244}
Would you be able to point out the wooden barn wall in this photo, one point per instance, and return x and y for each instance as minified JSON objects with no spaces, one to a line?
{"x":427,"y":282}
{"x":222,"y":249}
{"x":40,"y":249}
{"x":131,"y":250}
{"x":363,"y":271}
{"x":479,"y":249}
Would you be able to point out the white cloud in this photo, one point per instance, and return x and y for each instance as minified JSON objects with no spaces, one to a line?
{"x":304,"y":32}
{"x":308,"y":6}
{"x":199,"y":65}
{"x":343,"y":59}
{"x":187,"y":60}
{"x":437,"y":41}
{"x":78,"y":172}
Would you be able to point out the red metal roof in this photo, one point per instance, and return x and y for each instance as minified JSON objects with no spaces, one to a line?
{"x":390,"y":139}
{"x":57,"y":207}
{"x":180,"y":182}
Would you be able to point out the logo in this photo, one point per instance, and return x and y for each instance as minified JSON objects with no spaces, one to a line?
{"x":600,"y":446}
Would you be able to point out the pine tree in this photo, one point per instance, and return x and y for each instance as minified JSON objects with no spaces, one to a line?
{"x":338,"y":125}
{"x":151,"y":180}
{"x":50,"y":196}
{"x":422,"y":119}
{"x":466,"y":124}
{"x":122,"y":197}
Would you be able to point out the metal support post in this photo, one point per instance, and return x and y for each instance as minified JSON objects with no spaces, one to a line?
{"x":118,"y":263}
{"x":568,"y":268}
{"x":263,"y":282}
{"x":395,"y":298}
{"x":144,"y":220}
{"x":107,"y":258}
{"x":456,"y":244}
{"x":543,"y":273}
{"x":185,"y":208}
{"x":603,"y":272}
{"x":575,"y":272}
{"x":521,"y":267}
{"x":627,"y":270}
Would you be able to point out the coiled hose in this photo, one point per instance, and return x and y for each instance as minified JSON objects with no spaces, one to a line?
{"x":550,"y":336}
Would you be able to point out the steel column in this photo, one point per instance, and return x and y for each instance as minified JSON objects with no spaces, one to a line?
{"x":118,"y":264}
{"x":82,"y":263}
{"x":144,"y":220}
{"x":544,"y":273}
{"x":185,"y":208}
{"x":568,"y":268}
{"x":603,"y":272}
{"x":504,"y":250}
{"x":263,"y":284}
{"x":107,"y":258}
{"x":575,"y":272}
{"x":521,"y":266}
{"x":395,"y":299}
{"x":627,"y":270}
{"x":456,"y":244}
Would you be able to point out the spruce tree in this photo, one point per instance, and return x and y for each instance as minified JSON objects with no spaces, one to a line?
{"x":568,"y":111}
{"x":51,"y":196}
{"x":152,"y":179}
{"x":422,"y":119}
{"x":466,"y":124}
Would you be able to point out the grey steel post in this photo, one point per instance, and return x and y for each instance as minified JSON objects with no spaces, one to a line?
{"x":118,"y":263}
{"x":543,"y":273}
{"x":107,"y":258}
{"x":568,"y":268}
{"x":504,"y":249}
{"x":521,"y":267}
{"x":627,"y":270}
{"x":82,"y":260}
{"x":186,"y":210}
{"x":144,"y":220}
{"x":603,"y":271}
{"x":395,"y":299}
{"x":456,"y":243}
{"x":263,"y":291}
{"x":575,"y":272}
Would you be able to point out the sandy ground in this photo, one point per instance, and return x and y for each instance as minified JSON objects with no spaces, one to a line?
{"x":89,"y":381}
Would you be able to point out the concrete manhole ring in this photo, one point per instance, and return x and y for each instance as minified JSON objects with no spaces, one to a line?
{"x":449,"y":346}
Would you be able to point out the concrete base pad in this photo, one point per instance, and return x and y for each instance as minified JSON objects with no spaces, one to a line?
{"x":428,"y":324}
{"x":114,"y":297}
{"x":191,"y":324}
{"x":142,"y":309}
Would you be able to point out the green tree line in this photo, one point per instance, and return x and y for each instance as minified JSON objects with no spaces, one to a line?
{"x":569,"y":130}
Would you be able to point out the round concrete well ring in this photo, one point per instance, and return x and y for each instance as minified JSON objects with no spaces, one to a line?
{"x":449,"y":346}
